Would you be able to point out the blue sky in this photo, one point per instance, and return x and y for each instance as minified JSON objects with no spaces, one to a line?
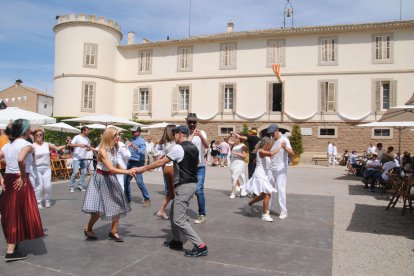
{"x":27,"y":38}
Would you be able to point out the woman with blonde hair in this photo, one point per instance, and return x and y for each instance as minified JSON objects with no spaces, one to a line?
{"x":167,"y":142}
{"x":104,"y":197}
{"x":20,"y":217}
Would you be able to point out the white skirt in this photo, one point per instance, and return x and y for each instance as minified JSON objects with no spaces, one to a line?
{"x":238,"y":172}
{"x":259,"y":183}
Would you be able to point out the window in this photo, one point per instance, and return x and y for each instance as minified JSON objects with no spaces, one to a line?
{"x":327,"y":132}
{"x":88,"y":96}
{"x":224,"y":130}
{"x":185,"y":59}
{"x":275,"y":52}
{"x":382,"y":133}
{"x":382,"y":48}
{"x":328,"y":51}
{"x":90,"y":54}
{"x":385,"y":94}
{"x":327,"y":96}
{"x":142,"y":100}
{"x":145,"y":62}
{"x":181,"y":102}
{"x":228,"y":56}
{"x":274,"y":97}
{"x":227,"y":100}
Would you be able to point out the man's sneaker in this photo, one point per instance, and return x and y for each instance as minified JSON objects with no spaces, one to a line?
{"x":232,"y":196}
{"x":81,"y":189}
{"x":197,"y":252}
{"x":39,"y":205}
{"x":243,"y":192}
{"x":15,"y":256}
{"x":47,"y":204}
{"x":71,"y":190}
{"x":266,"y":217}
{"x":283,"y":215}
{"x":146,"y":203}
{"x":174,"y":245}
{"x":200,"y":219}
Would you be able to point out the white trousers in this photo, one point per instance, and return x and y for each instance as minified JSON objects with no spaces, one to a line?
{"x":43,"y":183}
{"x":277,"y":179}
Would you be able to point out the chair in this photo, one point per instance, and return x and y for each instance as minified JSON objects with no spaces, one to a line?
{"x":68,"y":167}
{"x":401,"y":187}
{"x":58,"y":171}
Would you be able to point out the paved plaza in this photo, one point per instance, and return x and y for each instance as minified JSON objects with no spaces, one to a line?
{"x":334,"y":228}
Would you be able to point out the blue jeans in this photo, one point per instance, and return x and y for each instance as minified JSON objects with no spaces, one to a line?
{"x":201,"y":175}
{"x":76,"y":165}
{"x":138,"y":178}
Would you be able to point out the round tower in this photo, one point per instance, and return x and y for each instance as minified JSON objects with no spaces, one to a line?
{"x":85,"y":64}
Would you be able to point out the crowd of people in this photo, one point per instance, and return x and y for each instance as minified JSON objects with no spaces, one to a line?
{"x":181,"y":153}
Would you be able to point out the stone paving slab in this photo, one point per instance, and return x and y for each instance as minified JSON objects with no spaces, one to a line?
{"x":239,"y":243}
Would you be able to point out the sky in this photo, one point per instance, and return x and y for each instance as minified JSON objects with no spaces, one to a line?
{"x":27,"y":37}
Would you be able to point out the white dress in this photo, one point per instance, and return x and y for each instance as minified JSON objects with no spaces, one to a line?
{"x":237,"y":166}
{"x":259,"y":183}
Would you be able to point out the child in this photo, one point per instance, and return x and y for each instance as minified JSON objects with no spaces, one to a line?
{"x":259,"y":184}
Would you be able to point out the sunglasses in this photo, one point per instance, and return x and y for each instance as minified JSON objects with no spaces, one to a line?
{"x":191,"y":122}
{"x":38,"y":134}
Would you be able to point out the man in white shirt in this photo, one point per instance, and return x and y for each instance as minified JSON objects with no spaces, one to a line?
{"x":81,"y":144}
{"x":199,"y":139}
{"x":329,"y":152}
{"x":373,"y":166}
{"x":150,"y":151}
{"x":371,"y":149}
{"x":278,"y":167}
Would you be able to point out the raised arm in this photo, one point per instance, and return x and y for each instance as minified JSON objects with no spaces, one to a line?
{"x":103,"y":157}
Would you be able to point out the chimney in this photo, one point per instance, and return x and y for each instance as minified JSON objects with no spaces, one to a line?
{"x":230,"y":27}
{"x":131,"y":38}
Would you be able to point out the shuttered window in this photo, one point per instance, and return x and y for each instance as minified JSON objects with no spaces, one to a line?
{"x":382,"y":48}
{"x":385,"y":94}
{"x":328,"y":96}
{"x":185,"y":58}
{"x":227,"y":98}
{"x":275,"y":52}
{"x":228,"y":56}
{"x":90,"y":55}
{"x":328,"y":51}
{"x":88,"y":96}
{"x":145,"y":62}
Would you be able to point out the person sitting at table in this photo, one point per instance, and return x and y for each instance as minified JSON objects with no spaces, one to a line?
{"x":383,"y":175}
{"x":372,"y":167}
{"x":41,"y":168}
{"x":354,"y":162}
{"x":407,"y":163}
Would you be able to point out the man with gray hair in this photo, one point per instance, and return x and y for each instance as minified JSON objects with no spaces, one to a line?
{"x":278,"y":167}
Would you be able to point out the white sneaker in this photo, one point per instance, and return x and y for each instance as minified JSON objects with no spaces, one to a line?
{"x":47,"y":204}
{"x":243,"y":192}
{"x":39,"y":205}
{"x":266,"y":217}
{"x":237,"y":191}
{"x":232,"y":196}
{"x":71,"y":190}
{"x":283,"y":215}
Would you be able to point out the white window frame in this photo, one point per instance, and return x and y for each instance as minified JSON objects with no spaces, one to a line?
{"x":382,"y":48}
{"x":145,"y":62}
{"x":228,"y":56}
{"x":378,"y":91}
{"x":89,"y":104}
{"x":90,"y":55}
{"x":228,"y":100}
{"x":140,"y":107}
{"x":185,"y":59}
{"x":328,"y":51}
{"x":324,"y":95}
{"x":276,"y":52}
{"x":381,"y":137}
{"x":223,"y":106}
{"x":222,"y":134}
{"x":184,"y":99}
{"x":327,"y":136}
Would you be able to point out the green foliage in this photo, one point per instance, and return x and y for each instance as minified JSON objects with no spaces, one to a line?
{"x":296,"y":140}
{"x":245,"y":130}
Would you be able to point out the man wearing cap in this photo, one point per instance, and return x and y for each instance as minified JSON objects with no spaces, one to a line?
{"x":185,"y":156}
{"x":278,"y":167}
{"x":137,"y":148}
{"x":199,"y":139}
{"x":252,"y":141}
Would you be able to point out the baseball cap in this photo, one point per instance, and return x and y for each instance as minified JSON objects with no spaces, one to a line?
{"x":272,"y":128}
{"x":183,"y":129}
{"x":136,"y":128}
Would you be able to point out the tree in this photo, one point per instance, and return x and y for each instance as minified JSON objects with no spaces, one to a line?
{"x":296,"y":140}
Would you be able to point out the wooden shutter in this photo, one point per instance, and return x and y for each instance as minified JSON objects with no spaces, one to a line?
{"x":270,"y":98}
{"x":136,"y":100}
{"x":323,"y":96}
{"x":221,"y":99}
{"x":331,"y":97}
{"x":234,"y":98}
{"x":377,"y":96}
{"x":174,"y":107}
{"x":149,"y":100}
{"x":233,"y":57}
{"x":189,"y":100}
{"x":393,"y":92}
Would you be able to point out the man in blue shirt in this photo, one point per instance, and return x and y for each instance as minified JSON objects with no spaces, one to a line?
{"x":137,"y":148}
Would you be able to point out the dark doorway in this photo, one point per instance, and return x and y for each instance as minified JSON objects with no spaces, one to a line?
{"x":277,"y":97}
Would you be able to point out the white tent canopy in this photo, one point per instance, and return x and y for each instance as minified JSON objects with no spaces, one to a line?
{"x":62,"y":127}
{"x":105,"y":119}
{"x":10,"y":114}
{"x":101,"y":126}
{"x":157,"y":125}
{"x":388,"y":124}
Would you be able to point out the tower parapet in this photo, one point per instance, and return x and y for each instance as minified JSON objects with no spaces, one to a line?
{"x":88,"y":19}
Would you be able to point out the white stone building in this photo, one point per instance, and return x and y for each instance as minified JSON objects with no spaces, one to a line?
{"x":333,"y":77}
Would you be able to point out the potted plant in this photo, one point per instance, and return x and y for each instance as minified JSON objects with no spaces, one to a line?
{"x":296,"y":143}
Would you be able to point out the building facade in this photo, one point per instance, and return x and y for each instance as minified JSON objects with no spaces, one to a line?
{"x":27,"y":98}
{"x":332,"y":78}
